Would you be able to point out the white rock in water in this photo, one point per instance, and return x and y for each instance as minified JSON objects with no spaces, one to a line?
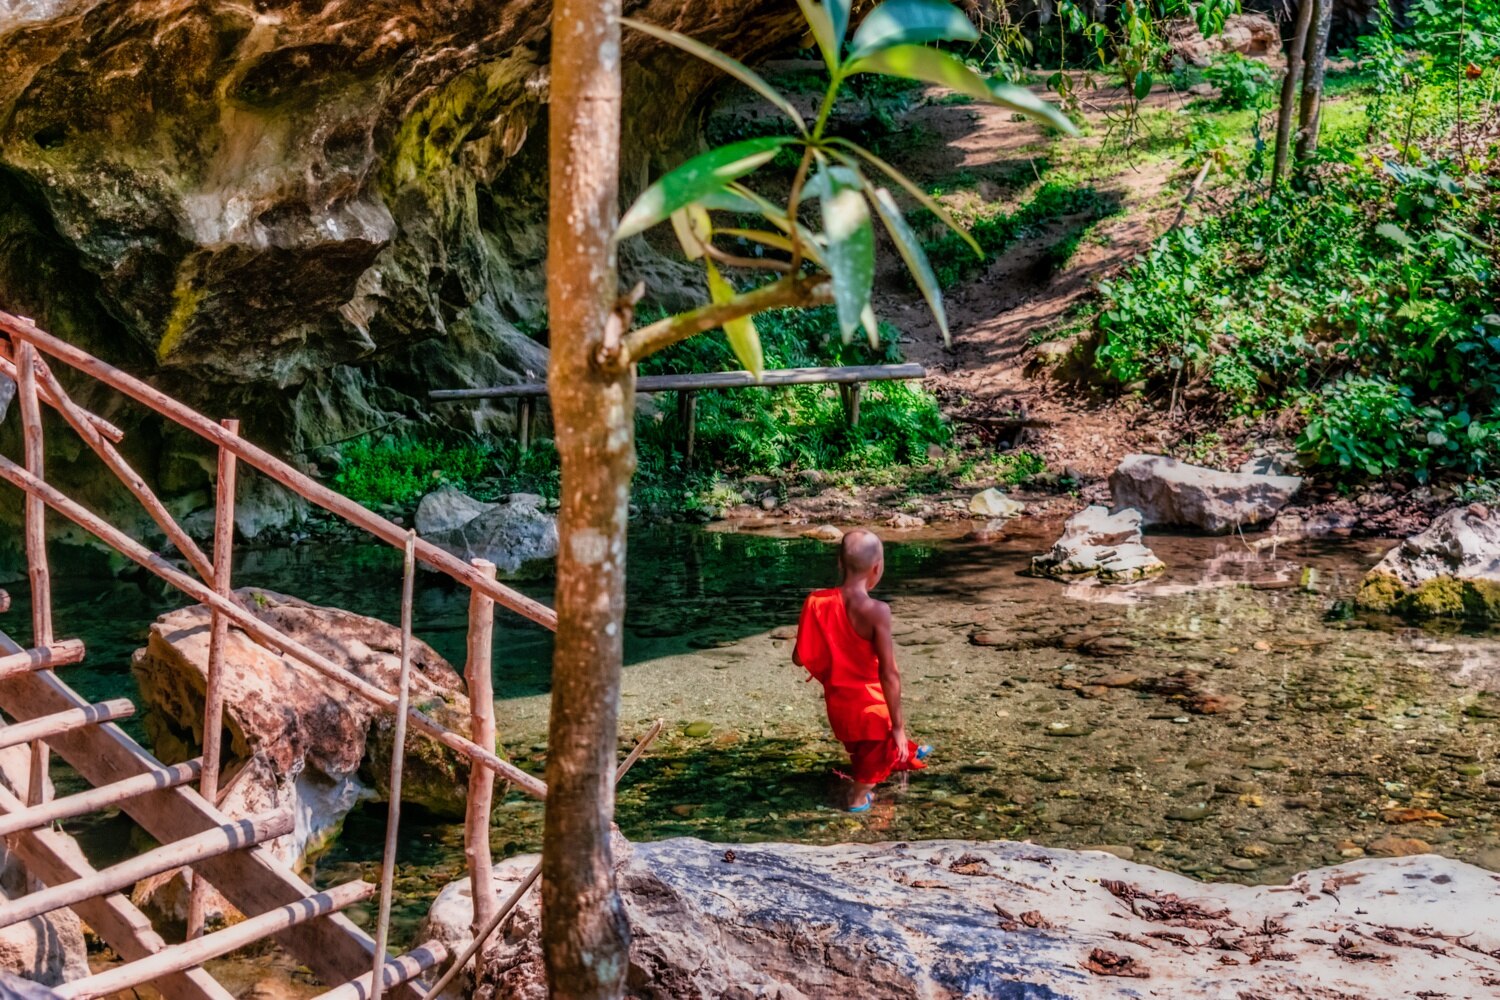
{"x":1169,"y":492}
{"x":993,"y":503}
{"x":518,"y":536}
{"x":824,"y":533}
{"x":946,"y":920}
{"x":1095,"y":542}
{"x":447,"y":510}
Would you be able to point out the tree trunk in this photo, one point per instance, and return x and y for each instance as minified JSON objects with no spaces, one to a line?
{"x":1315,"y":68}
{"x":1289,"y":84}
{"x":585,"y":936}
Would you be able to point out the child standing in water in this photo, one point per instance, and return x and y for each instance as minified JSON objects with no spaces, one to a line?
{"x":844,"y":641}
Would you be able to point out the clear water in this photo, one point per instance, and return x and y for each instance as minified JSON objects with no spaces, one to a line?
{"x":1327,"y":723}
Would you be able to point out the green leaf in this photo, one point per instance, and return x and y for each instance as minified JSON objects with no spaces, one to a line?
{"x":1395,"y":234}
{"x":821,"y":24}
{"x":741,"y":333}
{"x":917,"y":62}
{"x":911,"y":188}
{"x":910,"y":249}
{"x":695,"y":179}
{"x":850,"y":252}
{"x":901,"y":22}
{"x":1142,"y":86}
{"x":729,"y":65}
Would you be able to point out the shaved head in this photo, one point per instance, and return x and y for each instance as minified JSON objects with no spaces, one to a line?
{"x":860,"y":552}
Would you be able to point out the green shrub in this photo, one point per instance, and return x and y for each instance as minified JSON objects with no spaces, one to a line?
{"x":1242,"y":82}
{"x":397,"y":472}
{"x":1366,"y":304}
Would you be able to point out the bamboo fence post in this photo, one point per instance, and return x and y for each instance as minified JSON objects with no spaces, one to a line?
{"x":213,"y":703}
{"x":481,"y":731}
{"x":398,"y":756}
{"x":36,"y":544}
{"x":498,"y":917}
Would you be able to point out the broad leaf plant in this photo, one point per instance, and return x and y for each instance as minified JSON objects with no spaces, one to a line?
{"x":828,"y":255}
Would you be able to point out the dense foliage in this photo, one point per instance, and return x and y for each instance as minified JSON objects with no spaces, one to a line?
{"x":1367,"y":303}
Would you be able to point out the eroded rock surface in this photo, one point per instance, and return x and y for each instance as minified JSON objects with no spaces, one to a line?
{"x":517,"y":535}
{"x":1169,"y":492}
{"x":308,"y":215}
{"x":1451,"y":569}
{"x":295,"y":738}
{"x":952,"y":919}
{"x":1095,"y":542}
{"x":46,"y":950}
{"x":1249,"y":34}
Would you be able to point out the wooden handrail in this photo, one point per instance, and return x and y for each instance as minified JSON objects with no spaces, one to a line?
{"x":299,"y":483}
{"x":258,"y":630}
{"x":845,"y":375}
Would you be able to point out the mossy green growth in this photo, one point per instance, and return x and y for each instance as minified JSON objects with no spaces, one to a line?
{"x":430,"y":139}
{"x":1441,"y":597}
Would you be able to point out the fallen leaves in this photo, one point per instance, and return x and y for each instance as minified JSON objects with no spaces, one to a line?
{"x":1109,"y":963}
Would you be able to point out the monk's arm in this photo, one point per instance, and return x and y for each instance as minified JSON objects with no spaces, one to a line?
{"x":890,"y":676}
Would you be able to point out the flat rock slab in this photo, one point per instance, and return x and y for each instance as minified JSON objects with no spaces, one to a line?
{"x":1169,"y":492}
{"x":955,"y":919}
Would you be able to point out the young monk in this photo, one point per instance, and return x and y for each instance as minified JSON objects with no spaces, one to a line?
{"x":844,"y":641}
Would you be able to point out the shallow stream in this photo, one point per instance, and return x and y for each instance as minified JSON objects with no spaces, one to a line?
{"x":1234,"y":720}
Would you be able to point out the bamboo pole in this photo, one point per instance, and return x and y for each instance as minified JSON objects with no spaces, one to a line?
{"x":479,"y":671}
{"x":36,"y":544}
{"x":398,"y":759}
{"x":315,"y":492}
{"x":213,"y":702}
{"x":62,"y":722}
{"x":232,"y":836}
{"x":95,"y":799}
{"x":59,"y":654}
{"x":109,"y":430}
{"x":399,"y":970}
{"x":190,"y":953}
{"x":258,"y":630}
{"x":132,"y":480}
{"x":499,"y":915}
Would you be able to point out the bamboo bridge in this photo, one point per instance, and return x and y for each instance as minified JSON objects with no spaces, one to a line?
{"x":177,"y":805}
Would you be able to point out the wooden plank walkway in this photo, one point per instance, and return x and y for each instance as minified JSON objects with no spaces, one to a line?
{"x":848,"y":378}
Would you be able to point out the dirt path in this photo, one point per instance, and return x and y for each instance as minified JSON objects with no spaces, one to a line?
{"x":999,"y":315}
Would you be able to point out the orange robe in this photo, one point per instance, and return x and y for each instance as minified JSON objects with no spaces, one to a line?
{"x":844,"y":662}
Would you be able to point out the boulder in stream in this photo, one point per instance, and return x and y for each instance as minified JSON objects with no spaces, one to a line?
{"x":517,"y":535}
{"x":1095,"y":542}
{"x":994,"y":503}
{"x":1169,"y":492}
{"x":294,"y":737}
{"x":956,"y":919}
{"x":1450,"y":570}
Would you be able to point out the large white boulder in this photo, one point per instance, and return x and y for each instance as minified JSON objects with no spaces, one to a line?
{"x":994,"y":503}
{"x":944,"y":920}
{"x":1169,"y":492}
{"x":517,"y":535}
{"x":1451,"y":569}
{"x":1095,"y":542}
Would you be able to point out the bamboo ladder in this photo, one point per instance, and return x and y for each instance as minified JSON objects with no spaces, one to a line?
{"x":177,"y":805}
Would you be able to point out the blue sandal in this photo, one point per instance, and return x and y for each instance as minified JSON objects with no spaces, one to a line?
{"x":863,"y":806}
{"x":924,"y":751}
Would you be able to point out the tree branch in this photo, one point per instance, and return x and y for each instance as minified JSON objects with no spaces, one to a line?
{"x":799,"y":290}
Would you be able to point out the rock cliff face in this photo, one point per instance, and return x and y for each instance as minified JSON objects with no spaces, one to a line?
{"x":307,"y":214}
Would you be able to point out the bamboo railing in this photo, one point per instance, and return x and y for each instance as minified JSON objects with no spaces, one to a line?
{"x":26,"y":354}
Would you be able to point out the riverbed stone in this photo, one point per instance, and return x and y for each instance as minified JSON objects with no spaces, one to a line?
{"x":1450,"y":570}
{"x":952,"y":919}
{"x":1172,"y":493}
{"x":1097,"y":543}
{"x":518,"y":535}
{"x":994,"y":503}
{"x":295,"y":738}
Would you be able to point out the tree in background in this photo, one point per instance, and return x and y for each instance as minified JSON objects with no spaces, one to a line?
{"x":827,"y":255}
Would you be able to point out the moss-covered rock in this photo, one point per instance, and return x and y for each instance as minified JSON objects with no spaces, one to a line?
{"x":1451,"y":570}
